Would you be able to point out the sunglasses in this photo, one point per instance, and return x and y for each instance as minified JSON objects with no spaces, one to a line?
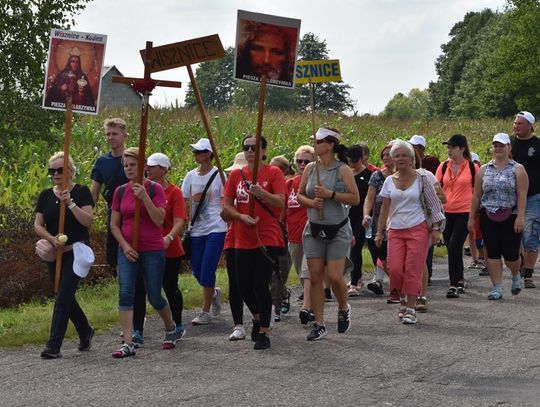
{"x":247,"y":147}
{"x":52,"y":171}
{"x":322,"y":141}
{"x":199,"y":151}
{"x":305,"y":162}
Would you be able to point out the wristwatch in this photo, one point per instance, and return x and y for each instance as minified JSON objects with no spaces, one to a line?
{"x":170,"y":238}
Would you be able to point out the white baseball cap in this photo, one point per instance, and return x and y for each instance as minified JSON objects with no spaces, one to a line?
{"x":417,"y":140}
{"x":83,"y":258}
{"x":475,"y":157}
{"x":202,"y":144}
{"x":159,"y":159}
{"x":528,"y":116}
{"x":502,"y":138}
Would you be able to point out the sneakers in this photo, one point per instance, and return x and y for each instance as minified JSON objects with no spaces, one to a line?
{"x":238,"y":333}
{"x":410,"y":317}
{"x":495,"y":294}
{"x":484,"y":272}
{"x":171,"y":337}
{"x":124,"y":351}
{"x":344,"y":320}
{"x":317,"y":332}
{"x":516,"y":284}
{"x":353,"y":291}
{"x":262,"y":342}
{"x":255,"y":329}
{"x":529,"y":282}
{"x":86,"y":343}
{"x":421,"y":304}
{"x":215,"y":309}
{"x":393,"y":298}
{"x":328,"y":295}
{"x":306,"y":316}
{"x":203,"y":318}
{"x":375,"y":287}
{"x":180,"y":331}
{"x":137,"y":338}
{"x":49,"y":353}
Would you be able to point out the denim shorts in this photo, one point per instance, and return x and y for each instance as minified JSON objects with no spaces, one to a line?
{"x":531,"y":229}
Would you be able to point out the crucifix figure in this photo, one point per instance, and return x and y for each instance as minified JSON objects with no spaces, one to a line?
{"x":144,"y":86}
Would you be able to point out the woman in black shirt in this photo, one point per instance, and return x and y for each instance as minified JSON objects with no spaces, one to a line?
{"x":79,"y":214}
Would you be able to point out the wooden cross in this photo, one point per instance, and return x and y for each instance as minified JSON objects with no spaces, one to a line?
{"x":144,"y":86}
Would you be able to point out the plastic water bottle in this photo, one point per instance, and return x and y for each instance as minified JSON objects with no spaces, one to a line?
{"x":369,"y":228}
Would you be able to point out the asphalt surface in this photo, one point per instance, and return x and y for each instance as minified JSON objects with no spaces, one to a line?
{"x":463,"y":352}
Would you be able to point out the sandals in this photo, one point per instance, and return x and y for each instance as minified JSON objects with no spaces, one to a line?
{"x":452,"y":293}
{"x":516,"y":285}
{"x":495,"y":295}
{"x":529,"y":282}
{"x":402,"y":311}
{"x":461,"y":285}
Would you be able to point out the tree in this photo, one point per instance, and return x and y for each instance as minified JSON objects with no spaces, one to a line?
{"x":25,"y":27}
{"x":413,"y":106}
{"x":219,"y":89}
{"x":215,"y":81}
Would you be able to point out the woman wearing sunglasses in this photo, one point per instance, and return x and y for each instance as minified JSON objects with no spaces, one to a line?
{"x":258,"y":237}
{"x":327,"y":238}
{"x":79,"y":215}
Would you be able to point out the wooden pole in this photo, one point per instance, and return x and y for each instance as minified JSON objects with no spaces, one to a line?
{"x":317,"y":171}
{"x":205,"y":121}
{"x":62,"y":219}
{"x":262,"y":96}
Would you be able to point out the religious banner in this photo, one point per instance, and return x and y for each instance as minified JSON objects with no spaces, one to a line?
{"x":74,"y":69}
{"x":266,"y":45}
{"x":317,"y":71}
{"x":185,"y":53}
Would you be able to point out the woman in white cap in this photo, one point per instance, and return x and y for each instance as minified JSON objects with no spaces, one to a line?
{"x":79,"y":215}
{"x":157,"y":168}
{"x":203,"y":189}
{"x":327,"y":239}
{"x":500,"y":195}
{"x":148,"y":258}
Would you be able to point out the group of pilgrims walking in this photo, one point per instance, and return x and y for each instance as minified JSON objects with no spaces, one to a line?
{"x":316,"y":218}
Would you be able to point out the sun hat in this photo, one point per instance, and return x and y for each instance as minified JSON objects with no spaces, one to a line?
{"x":202,"y":144}
{"x":159,"y":159}
{"x":323,"y":132}
{"x":418,"y":140}
{"x":239,"y":162}
{"x":83,"y":258}
{"x":502,"y":138}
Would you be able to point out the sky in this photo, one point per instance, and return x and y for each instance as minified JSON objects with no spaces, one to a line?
{"x":384,"y":46}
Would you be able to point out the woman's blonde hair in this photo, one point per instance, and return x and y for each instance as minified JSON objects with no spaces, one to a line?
{"x":304,"y":149}
{"x":132,"y":152}
{"x":60,"y":154}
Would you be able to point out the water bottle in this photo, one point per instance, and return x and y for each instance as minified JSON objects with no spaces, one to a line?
{"x":369,"y":228}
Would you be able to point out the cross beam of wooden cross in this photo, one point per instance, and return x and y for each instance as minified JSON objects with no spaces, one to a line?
{"x":144,"y":86}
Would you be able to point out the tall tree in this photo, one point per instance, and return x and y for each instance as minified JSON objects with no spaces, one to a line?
{"x":25,"y":27}
{"x":413,"y":106}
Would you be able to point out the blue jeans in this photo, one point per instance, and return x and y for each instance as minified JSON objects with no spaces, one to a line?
{"x":205,"y":254}
{"x":151,"y":265}
{"x":531,"y":227}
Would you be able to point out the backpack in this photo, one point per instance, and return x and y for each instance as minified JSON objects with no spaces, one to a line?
{"x":471,"y":168}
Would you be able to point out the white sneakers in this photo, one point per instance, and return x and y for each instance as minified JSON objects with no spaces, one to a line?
{"x":203,"y":318}
{"x":215,"y":309}
{"x":238,"y":333}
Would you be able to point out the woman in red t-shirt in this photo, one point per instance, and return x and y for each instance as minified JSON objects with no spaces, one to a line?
{"x":157,"y":167}
{"x":258,"y":239}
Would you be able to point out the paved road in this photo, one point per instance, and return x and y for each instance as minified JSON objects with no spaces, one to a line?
{"x":464,"y":352}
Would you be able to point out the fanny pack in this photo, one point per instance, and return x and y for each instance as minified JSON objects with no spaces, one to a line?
{"x":500,"y":215}
{"x":326,"y":232}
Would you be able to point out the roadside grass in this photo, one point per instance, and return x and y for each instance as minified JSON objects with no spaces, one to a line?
{"x":29,"y":324}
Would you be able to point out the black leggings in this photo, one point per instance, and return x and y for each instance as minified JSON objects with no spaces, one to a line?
{"x":235,"y":298}
{"x":173,"y":267}
{"x":359,"y":234}
{"x":500,"y":238}
{"x":254,"y":270}
{"x":455,"y":233}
